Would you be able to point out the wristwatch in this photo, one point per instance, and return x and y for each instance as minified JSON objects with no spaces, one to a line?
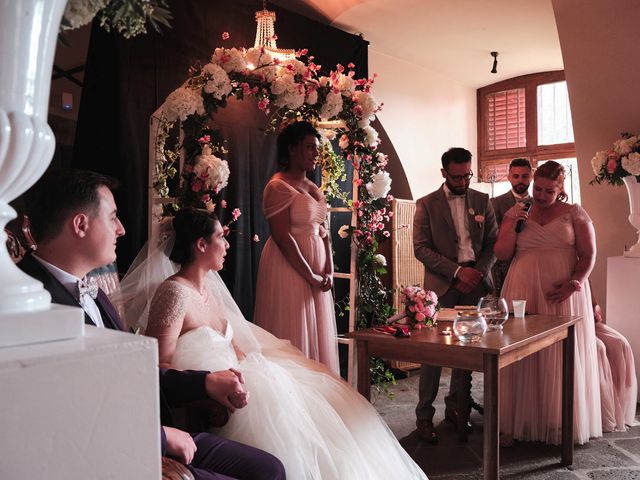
{"x":576,"y":285}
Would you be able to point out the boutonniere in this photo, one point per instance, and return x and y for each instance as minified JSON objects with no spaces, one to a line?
{"x":478,"y":218}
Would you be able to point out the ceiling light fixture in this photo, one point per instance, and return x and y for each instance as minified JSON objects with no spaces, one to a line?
{"x":266,"y":35}
{"x":494,"y":68}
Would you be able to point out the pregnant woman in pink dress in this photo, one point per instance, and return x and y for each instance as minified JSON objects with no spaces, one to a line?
{"x":293,"y":298}
{"x":552,"y":258}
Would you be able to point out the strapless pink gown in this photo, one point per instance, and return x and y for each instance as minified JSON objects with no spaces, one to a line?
{"x":286,"y":305}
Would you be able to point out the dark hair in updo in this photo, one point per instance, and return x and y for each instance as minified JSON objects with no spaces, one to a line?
{"x":552,"y":170}
{"x":292,"y":135}
{"x":190,"y":224}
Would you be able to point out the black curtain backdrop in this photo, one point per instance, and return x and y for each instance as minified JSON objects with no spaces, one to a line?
{"x":127,"y":80}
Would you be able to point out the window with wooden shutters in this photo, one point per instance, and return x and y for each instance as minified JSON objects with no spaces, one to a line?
{"x":508,"y":123}
{"x":506,"y":119}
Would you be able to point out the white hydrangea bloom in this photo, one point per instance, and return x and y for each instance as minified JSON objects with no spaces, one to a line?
{"x":332,"y":106}
{"x":213,"y":171}
{"x":379,"y":185}
{"x":231,"y":59}
{"x":380,"y":259}
{"x":625,"y":146}
{"x":312,"y":96}
{"x":631,"y":163}
{"x":298,"y":67}
{"x":218,"y":82}
{"x":345,"y":84}
{"x":258,"y":57}
{"x":598,"y":162}
{"x":288,"y":93}
{"x":371,"y":136}
{"x":80,"y":12}
{"x":182,"y":103}
{"x":369,"y":106}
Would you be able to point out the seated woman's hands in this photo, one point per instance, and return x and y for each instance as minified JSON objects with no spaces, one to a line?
{"x":226,"y":387}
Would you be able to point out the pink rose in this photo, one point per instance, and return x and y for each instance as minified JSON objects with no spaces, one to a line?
{"x":430,"y":310}
{"x":431,"y":296}
{"x":420,"y":317}
{"x":612,"y":165}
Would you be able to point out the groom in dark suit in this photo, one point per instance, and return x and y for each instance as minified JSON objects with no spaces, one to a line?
{"x":454,"y":229}
{"x":74,"y":221}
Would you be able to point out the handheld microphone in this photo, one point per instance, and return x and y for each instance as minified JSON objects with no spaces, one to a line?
{"x":520,"y":224}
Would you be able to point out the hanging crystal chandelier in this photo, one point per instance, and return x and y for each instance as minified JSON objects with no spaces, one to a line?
{"x":266,"y":34}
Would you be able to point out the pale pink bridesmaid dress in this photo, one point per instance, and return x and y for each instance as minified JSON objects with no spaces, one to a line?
{"x":286,"y":305}
{"x":618,"y":384}
{"x":530,"y":390}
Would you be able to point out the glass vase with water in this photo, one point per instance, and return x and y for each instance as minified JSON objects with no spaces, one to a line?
{"x":469,"y":326}
{"x":495,"y":311}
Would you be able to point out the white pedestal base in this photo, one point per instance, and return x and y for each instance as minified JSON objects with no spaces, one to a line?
{"x":623,"y":280}
{"x":60,"y":322}
{"x":81,"y":409}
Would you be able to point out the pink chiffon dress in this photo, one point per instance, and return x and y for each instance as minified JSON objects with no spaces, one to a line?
{"x":530,"y":390}
{"x":618,"y":383}
{"x":286,"y":304}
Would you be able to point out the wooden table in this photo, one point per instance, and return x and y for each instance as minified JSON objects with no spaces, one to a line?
{"x":518,"y":339}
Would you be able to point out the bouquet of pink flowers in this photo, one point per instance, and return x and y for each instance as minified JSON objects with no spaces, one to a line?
{"x":611,"y":166}
{"x":420,"y":307}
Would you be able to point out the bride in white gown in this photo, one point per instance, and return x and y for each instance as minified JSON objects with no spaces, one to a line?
{"x":314,"y":422}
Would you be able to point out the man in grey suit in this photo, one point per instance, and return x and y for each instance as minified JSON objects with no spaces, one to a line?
{"x":454,"y":229}
{"x":520,"y":178}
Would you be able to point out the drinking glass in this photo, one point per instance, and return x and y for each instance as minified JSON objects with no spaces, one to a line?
{"x":495,"y":311}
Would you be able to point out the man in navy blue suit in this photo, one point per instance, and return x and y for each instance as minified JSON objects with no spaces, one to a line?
{"x":75,"y":223}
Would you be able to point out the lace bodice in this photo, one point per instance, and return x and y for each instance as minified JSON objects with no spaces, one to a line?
{"x":179,"y":311}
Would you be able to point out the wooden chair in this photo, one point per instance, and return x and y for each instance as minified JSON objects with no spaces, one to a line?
{"x":19,"y":238}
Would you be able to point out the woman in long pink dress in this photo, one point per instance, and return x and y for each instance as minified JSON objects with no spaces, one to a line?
{"x":552,"y":258}
{"x":618,"y":383}
{"x":293,"y":298}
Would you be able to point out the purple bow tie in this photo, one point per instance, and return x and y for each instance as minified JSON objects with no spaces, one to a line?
{"x":88,"y":286}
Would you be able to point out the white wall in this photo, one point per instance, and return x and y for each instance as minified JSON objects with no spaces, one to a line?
{"x":424,"y":114}
{"x":599,"y":41}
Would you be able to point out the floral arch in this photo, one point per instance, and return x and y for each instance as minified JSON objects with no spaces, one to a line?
{"x":339,"y":105}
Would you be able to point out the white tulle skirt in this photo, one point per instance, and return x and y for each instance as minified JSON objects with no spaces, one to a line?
{"x":314,"y":422}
